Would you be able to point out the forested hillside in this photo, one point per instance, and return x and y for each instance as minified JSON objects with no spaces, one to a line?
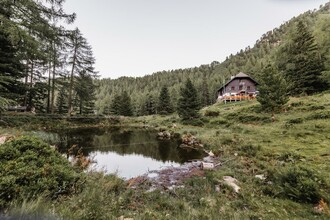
{"x":270,"y":48}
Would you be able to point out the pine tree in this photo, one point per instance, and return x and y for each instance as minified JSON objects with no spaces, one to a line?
{"x":121,"y":104}
{"x":81,"y":60}
{"x":115,"y":106}
{"x":164,"y":102}
{"x":85,"y":89}
{"x":205,"y":99}
{"x":150,"y":105}
{"x":273,"y":90}
{"x":304,"y":64}
{"x":11,"y":70}
{"x":62,"y":101}
{"x":125,"y":105}
{"x":188,"y":104}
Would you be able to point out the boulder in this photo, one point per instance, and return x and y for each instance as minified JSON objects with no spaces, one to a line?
{"x":232,"y":182}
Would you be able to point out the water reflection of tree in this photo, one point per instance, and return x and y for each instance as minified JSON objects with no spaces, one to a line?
{"x":124,"y":142}
{"x":164,"y":150}
{"x":82,"y":138}
{"x":122,"y":139}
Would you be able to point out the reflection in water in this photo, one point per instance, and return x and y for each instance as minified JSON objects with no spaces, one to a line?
{"x":128,"y":152}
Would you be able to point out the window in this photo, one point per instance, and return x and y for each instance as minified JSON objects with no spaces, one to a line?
{"x":240,"y":87}
{"x":232,"y":88}
{"x":248,"y":88}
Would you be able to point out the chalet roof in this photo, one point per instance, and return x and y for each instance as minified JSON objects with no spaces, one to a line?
{"x":239,"y":76}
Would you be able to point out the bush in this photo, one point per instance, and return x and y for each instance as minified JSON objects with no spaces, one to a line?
{"x":319,"y":115}
{"x":295,"y":121}
{"x":249,"y":150}
{"x":298,"y":183}
{"x":194,"y":122}
{"x":249,"y":118}
{"x":29,"y":167}
{"x":210,"y":113}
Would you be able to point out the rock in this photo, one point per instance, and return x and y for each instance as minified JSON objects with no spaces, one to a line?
{"x":190,"y":141}
{"x":123,"y":218}
{"x":211,"y":154}
{"x":260,"y":176}
{"x":164,"y":135}
{"x":207,"y":166}
{"x":167,"y":134}
{"x":232,"y":182}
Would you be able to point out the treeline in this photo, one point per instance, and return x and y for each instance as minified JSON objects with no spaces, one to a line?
{"x":273,"y":48}
{"x":44,"y":66}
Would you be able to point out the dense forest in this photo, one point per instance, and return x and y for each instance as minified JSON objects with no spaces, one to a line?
{"x":44,"y":67}
{"x":144,"y":91}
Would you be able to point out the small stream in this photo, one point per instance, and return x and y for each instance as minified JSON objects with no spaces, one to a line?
{"x":126,"y":152}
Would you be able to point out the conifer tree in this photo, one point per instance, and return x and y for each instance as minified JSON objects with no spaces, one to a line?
{"x":85,"y":89}
{"x":81,"y":60}
{"x":11,"y":69}
{"x":273,"y":90}
{"x":164,"y":102}
{"x":62,"y":101}
{"x":121,"y":105}
{"x":304,"y":64}
{"x":125,"y":105}
{"x":188,"y":104}
{"x":205,"y":99}
{"x":150,"y":105}
{"x":115,"y":106}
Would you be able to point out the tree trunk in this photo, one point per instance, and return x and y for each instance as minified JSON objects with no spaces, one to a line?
{"x":49,"y":87}
{"x":26,"y":82}
{"x":53,"y":82}
{"x":71,"y":82}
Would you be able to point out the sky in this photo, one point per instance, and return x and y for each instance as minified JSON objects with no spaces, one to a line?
{"x":140,"y":37}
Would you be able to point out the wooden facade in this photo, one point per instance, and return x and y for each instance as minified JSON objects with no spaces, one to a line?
{"x":238,"y":88}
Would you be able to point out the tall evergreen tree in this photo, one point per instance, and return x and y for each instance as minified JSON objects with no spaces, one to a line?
{"x":125,"y":105}
{"x":164,"y":102}
{"x":85,"y":89}
{"x":304,"y":64}
{"x":188,"y":104}
{"x":11,"y":70}
{"x":62,"y":100}
{"x":273,"y":90}
{"x":115,"y":106}
{"x":150,"y":105}
{"x":205,"y":99}
{"x":81,"y":60}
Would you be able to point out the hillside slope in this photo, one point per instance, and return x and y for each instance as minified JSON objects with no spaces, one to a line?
{"x":249,"y":60}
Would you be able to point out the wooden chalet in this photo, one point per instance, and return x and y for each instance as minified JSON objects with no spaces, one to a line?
{"x":238,"y":88}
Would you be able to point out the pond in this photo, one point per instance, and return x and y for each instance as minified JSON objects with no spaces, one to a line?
{"x":126,"y":152}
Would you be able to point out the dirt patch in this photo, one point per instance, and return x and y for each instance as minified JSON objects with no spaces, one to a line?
{"x":171,"y":177}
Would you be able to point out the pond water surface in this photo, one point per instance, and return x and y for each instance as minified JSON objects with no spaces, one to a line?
{"x":127,"y":152}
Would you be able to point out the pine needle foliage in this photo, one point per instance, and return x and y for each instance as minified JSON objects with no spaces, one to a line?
{"x":188,"y":104}
{"x":273,"y":90}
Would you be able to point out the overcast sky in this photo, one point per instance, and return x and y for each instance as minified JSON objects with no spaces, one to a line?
{"x":139,"y":37}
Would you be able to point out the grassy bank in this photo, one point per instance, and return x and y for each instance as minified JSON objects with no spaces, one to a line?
{"x":291,"y":150}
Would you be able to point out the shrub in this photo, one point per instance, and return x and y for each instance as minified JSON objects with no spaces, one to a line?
{"x":29,"y":167}
{"x":298,"y":183}
{"x":290,"y":157}
{"x":319,"y":115}
{"x":194,"y":122}
{"x":210,"y":113}
{"x":249,"y":150}
{"x":295,"y":121}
